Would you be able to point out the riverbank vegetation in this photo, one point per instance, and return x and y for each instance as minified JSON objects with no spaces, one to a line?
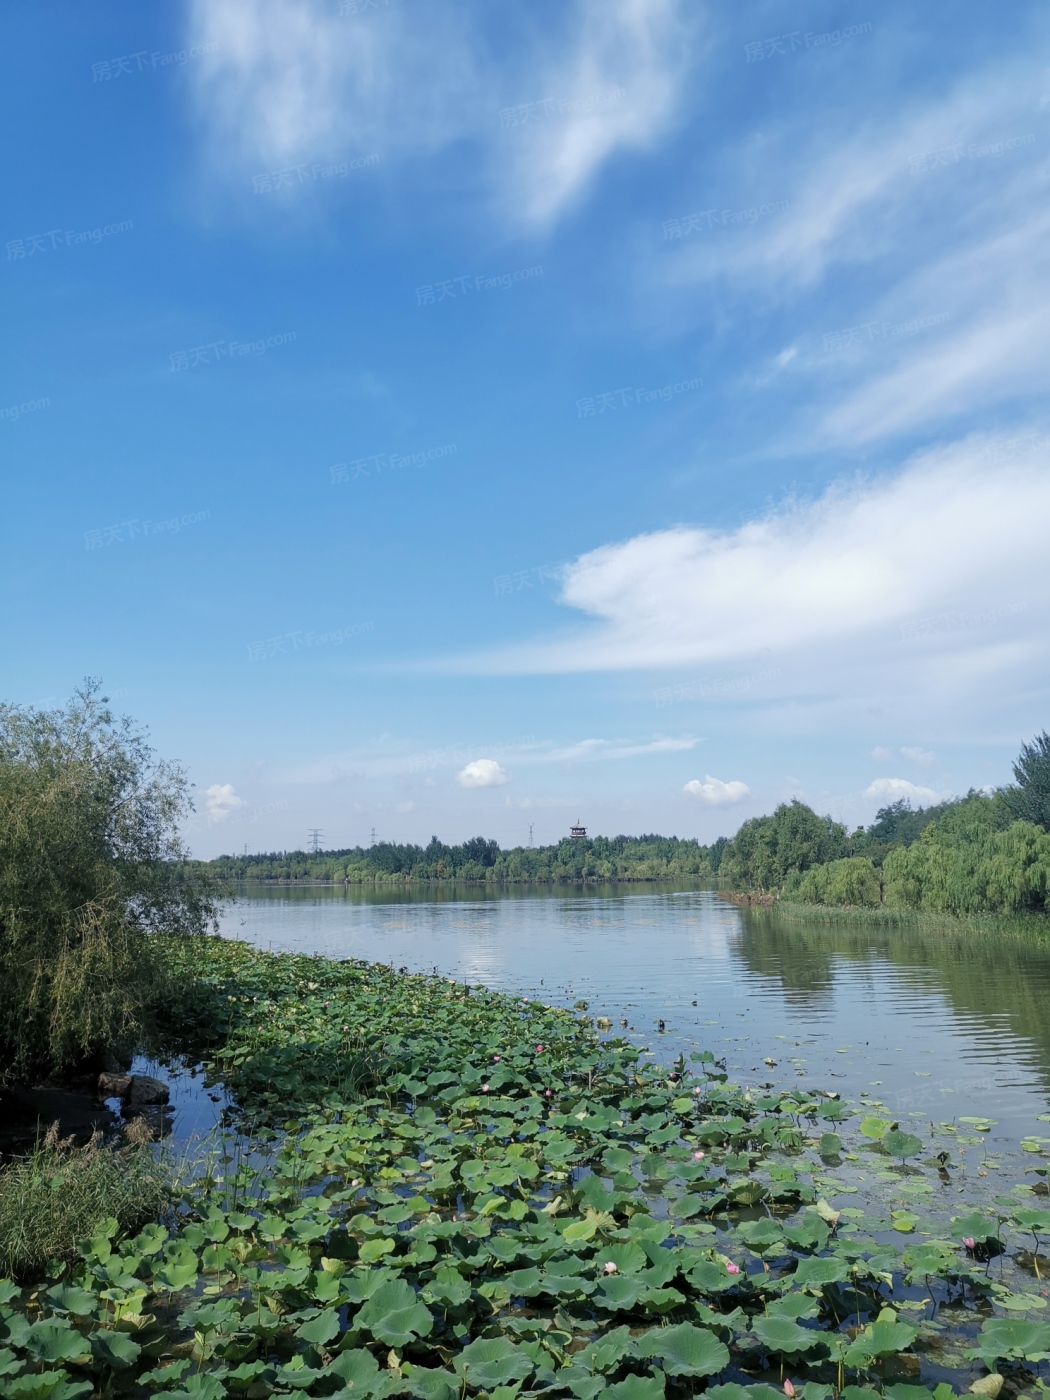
{"x":516,"y":1203}
{"x":479,"y":860}
{"x":984,"y":854}
{"x":90,"y":865}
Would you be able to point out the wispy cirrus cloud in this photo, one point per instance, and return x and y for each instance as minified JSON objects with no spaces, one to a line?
{"x":950,"y":527}
{"x":299,"y":79}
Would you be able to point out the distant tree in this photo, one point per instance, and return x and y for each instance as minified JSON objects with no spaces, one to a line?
{"x":766,"y":850}
{"x":1029,"y":801}
{"x":90,"y":864}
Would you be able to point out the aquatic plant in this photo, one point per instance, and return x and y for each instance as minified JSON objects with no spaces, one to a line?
{"x":486,"y":1217}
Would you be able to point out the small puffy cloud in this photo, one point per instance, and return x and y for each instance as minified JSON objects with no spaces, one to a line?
{"x":482,"y":773}
{"x":220,"y":800}
{"x":881,"y":755}
{"x":893,"y":789}
{"x":409,"y":806}
{"x":717,"y":793}
{"x":923,"y":757}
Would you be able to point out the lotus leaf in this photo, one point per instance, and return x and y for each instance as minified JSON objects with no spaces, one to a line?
{"x":710,"y":1277}
{"x":900,"y":1144}
{"x":607,"y":1351}
{"x":685,"y":1350}
{"x":794,"y":1305}
{"x":47,"y":1385}
{"x":874,"y":1128}
{"x":450,"y":1289}
{"x":204,"y":1387}
{"x":879,"y":1338}
{"x":394,"y":1314}
{"x":1014,"y":1338}
{"x":320,"y":1330}
{"x":427,"y":1383}
{"x":761,"y":1235}
{"x":638,"y":1388}
{"x":55,"y":1340}
{"x":493,"y":1361}
{"x":628,"y":1258}
{"x":114,"y":1349}
{"x":580,"y":1382}
{"x":782,"y":1335}
{"x":359,"y":1371}
{"x":68,"y":1298}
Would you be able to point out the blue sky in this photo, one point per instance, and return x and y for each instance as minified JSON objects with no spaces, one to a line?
{"x":434,"y":417}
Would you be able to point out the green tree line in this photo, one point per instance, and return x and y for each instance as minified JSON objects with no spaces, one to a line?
{"x":481,"y":860}
{"x":983,"y":853}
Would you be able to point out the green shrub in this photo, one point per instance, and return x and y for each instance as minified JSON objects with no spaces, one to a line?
{"x":969,"y":866}
{"x":89,"y":866}
{"x":852,"y":881}
{"x":61,"y":1194}
{"x":767,"y":850}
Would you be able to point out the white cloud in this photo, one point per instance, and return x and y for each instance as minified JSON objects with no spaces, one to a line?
{"x":220,"y":800}
{"x":881,"y":755}
{"x":409,"y":806}
{"x":588,"y":750}
{"x":946,"y":533}
{"x":717,"y":793}
{"x":299,"y":81}
{"x":888,"y":790}
{"x":923,"y":757}
{"x":482,"y":773}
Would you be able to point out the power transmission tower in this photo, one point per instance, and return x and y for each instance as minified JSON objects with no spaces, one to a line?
{"x":315,"y":840}
{"x":373,"y":839}
{"x":530,"y":835}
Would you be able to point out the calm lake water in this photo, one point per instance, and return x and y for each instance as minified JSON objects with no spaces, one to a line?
{"x":936,"y":1026}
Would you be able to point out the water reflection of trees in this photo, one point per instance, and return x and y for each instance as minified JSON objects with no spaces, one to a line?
{"x":1000,"y":982}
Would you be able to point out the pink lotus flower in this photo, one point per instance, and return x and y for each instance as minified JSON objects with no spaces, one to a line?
{"x":610,"y":1267}
{"x":789,"y":1390}
{"x":496,"y":1058}
{"x":547,"y":1093}
{"x":698,"y":1156}
{"x":698,"y":1090}
{"x":732,"y":1268}
{"x":346,"y":1028}
{"x":539,"y":1049}
{"x":969,"y":1242}
{"x":484,"y":1088}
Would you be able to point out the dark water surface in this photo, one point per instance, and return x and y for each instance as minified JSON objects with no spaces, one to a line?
{"x":937,"y":1025}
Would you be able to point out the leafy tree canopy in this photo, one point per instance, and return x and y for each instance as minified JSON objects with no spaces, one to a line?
{"x":90,"y":866}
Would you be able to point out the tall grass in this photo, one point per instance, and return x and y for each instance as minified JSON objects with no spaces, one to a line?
{"x":922,"y":920}
{"x":60,"y":1194}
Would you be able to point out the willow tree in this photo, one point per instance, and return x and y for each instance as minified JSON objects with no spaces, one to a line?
{"x":91,"y":864}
